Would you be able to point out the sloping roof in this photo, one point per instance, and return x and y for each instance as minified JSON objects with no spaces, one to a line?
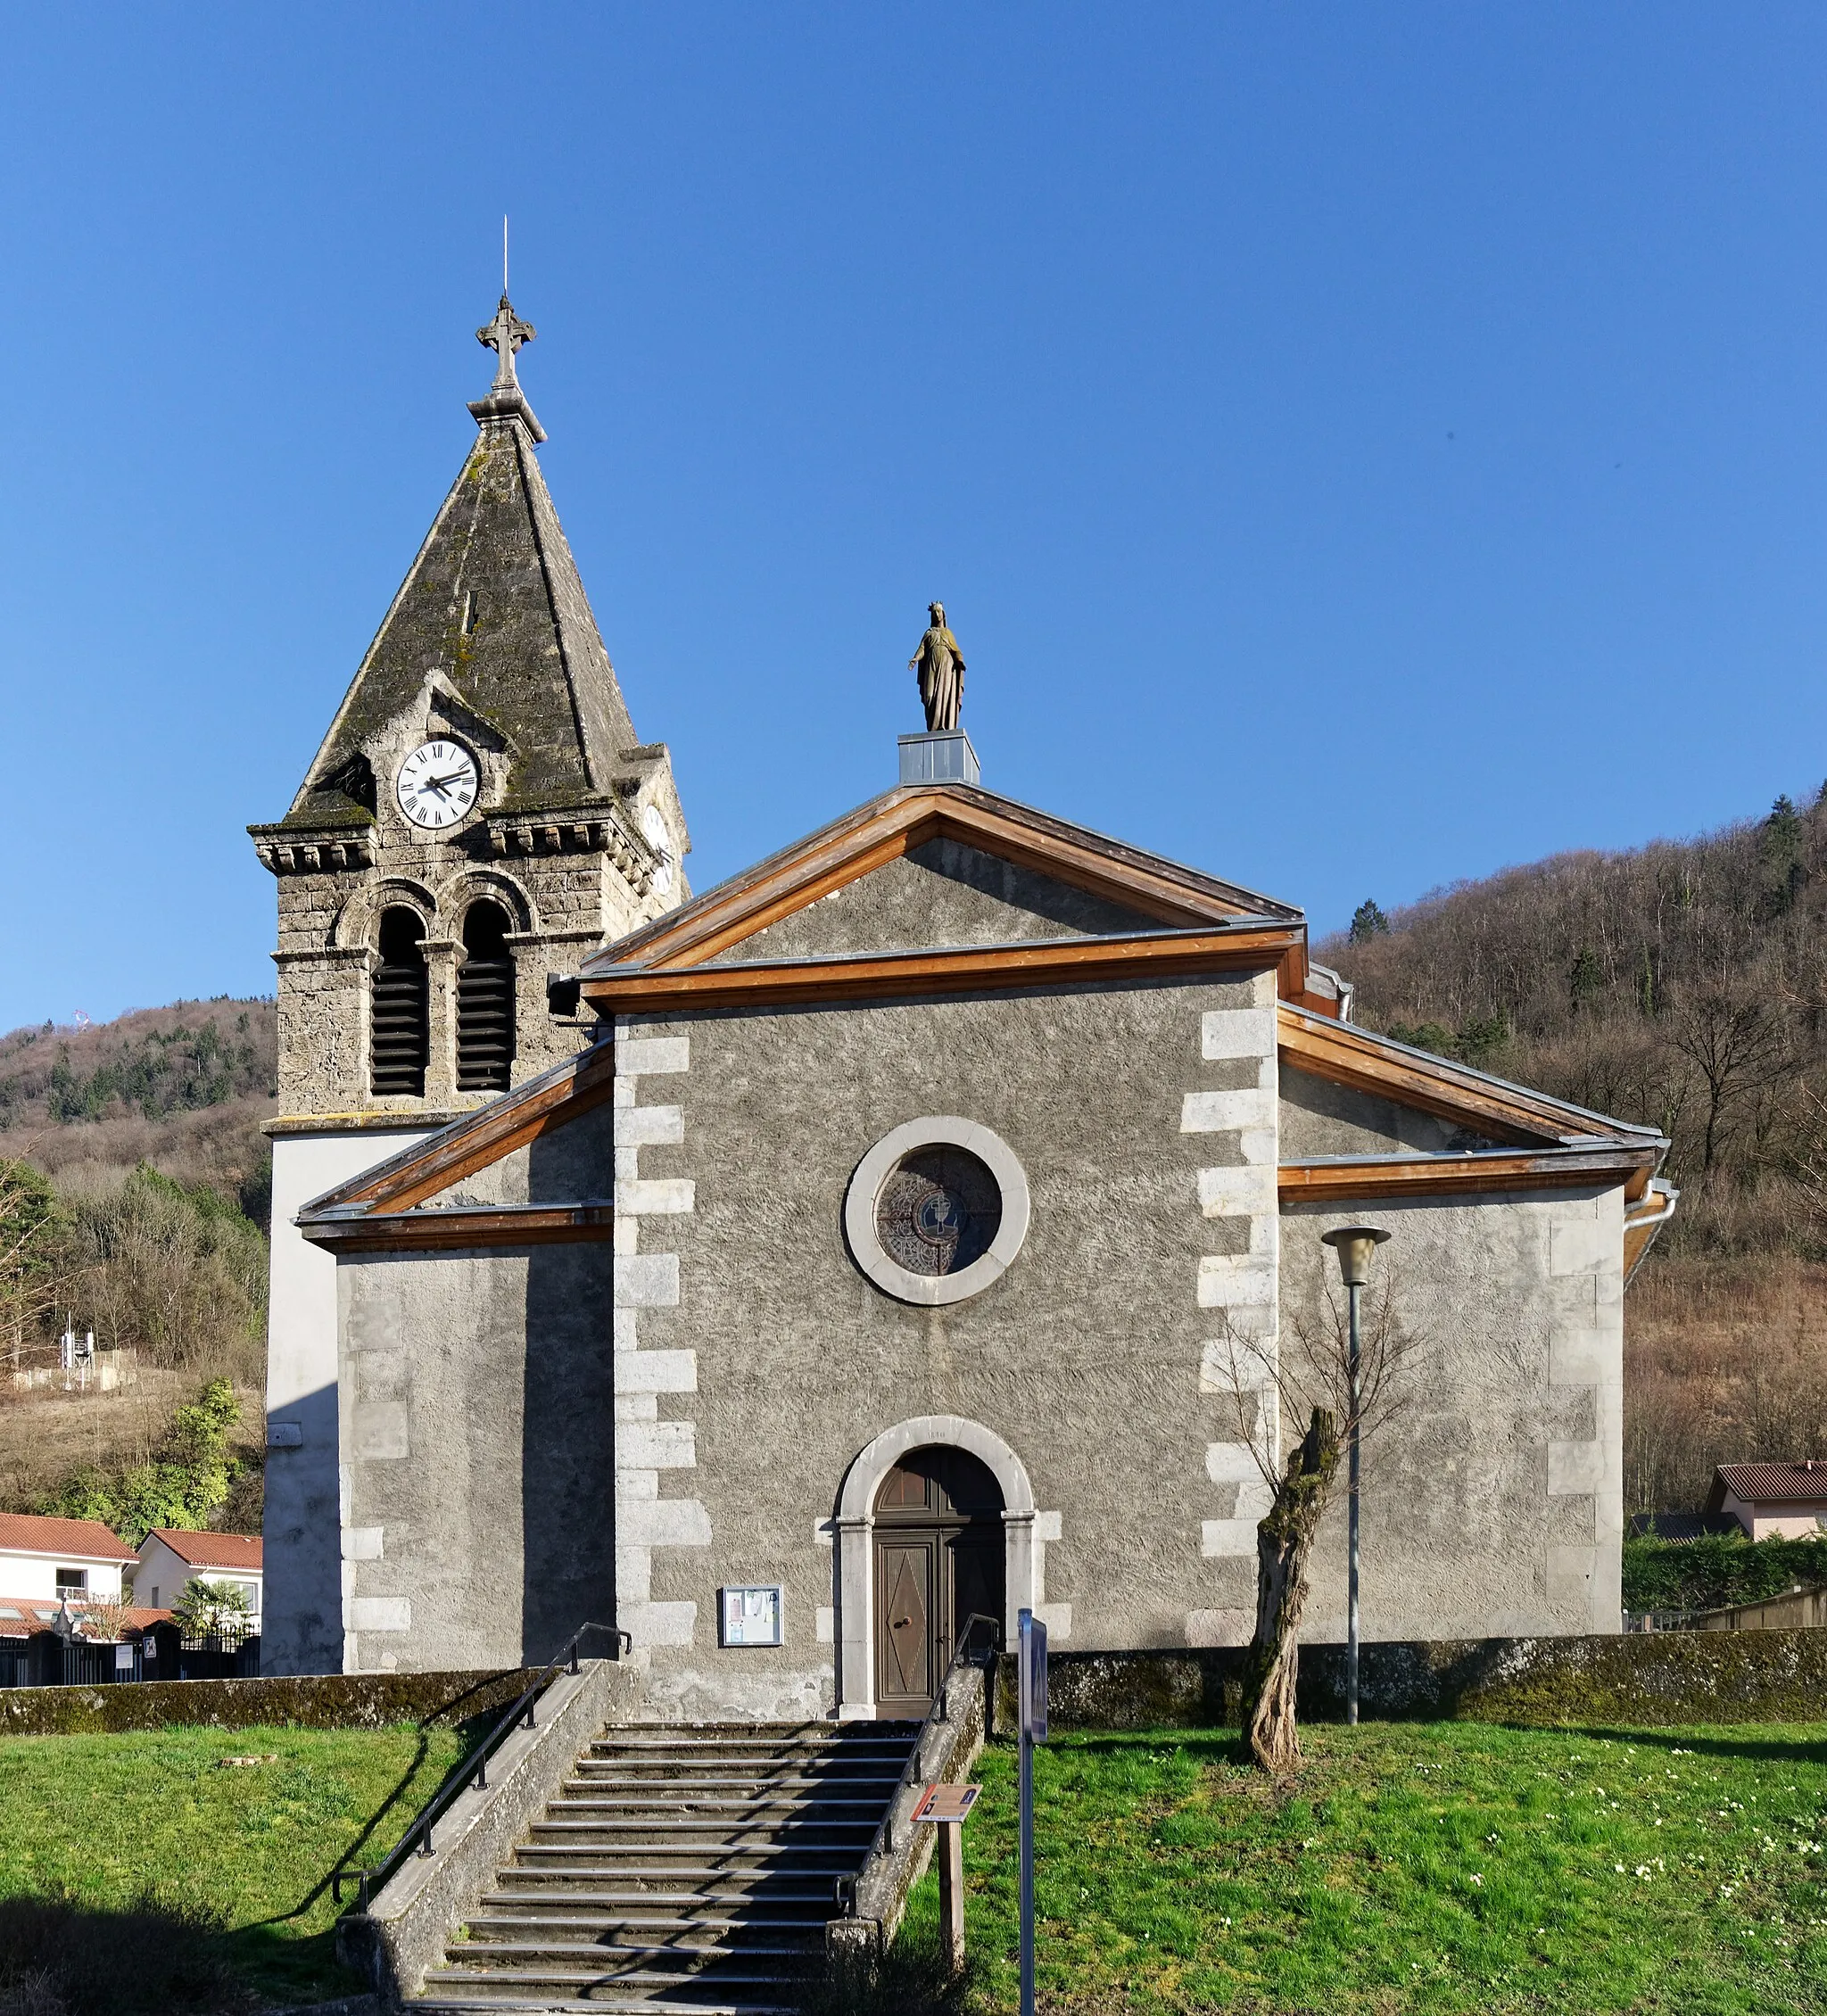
{"x":532,"y":668}
{"x":71,"y":1540}
{"x":1769,"y":1483}
{"x":1204,"y":926}
{"x":211,"y":1551}
{"x":894,"y":824}
{"x":1493,"y":1106}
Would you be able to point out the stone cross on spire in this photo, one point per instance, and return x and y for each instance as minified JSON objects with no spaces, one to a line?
{"x":504,"y":335}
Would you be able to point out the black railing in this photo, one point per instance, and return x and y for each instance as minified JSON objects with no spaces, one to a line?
{"x":473,"y":1771}
{"x":883,"y":1840}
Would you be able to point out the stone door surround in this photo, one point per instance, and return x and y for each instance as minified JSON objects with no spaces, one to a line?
{"x":856,"y":1525}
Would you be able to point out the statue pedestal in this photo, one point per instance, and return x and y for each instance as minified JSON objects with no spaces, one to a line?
{"x":944,"y":758}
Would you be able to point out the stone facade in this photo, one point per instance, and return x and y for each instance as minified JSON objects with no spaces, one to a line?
{"x":735,"y":1388}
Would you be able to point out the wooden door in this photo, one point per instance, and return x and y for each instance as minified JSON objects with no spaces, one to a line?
{"x":938,"y":1562}
{"x":907,"y":1647}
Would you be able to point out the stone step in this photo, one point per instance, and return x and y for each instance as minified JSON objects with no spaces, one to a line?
{"x":591,"y":1799}
{"x":509,"y":1923}
{"x":665,"y":1955}
{"x":686,"y":1999}
{"x":739,"y":1742}
{"x":738,"y":1833}
{"x":683,"y":1858}
{"x":582,"y":1983}
{"x":622,"y":1770}
{"x":750,"y":1887}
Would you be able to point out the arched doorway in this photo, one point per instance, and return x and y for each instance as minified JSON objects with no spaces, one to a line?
{"x":938,"y":1546}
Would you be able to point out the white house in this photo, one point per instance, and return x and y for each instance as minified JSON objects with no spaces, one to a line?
{"x":169,"y":1559}
{"x":44,"y":1562}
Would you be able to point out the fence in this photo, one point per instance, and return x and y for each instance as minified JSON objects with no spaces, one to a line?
{"x":1798,"y":1608}
{"x":44,"y":1659}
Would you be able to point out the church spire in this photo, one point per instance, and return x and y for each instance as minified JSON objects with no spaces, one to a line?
{"x":505,"y":401}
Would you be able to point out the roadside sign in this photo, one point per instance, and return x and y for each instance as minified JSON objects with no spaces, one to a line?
{"x":1033,"y":1679}
{"x":1030,"y":1690}
{"x":943,"y":1803}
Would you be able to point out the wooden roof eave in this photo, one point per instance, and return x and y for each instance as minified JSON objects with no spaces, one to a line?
{"x":1331,"y":1179}
{"x":1352,"y":1056}
{"x":893,"y":825}
{"x":553,"y":1099}
{"x":1243,"y":943}
{"x":463,"y":1227}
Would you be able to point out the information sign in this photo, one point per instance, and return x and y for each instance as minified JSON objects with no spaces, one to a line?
{"x":750,"y":1616}
{"x":941,"y":1803}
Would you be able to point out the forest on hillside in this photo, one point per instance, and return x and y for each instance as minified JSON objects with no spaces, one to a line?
{"x":135,"y":1185}
{"x":183,"y":1088}
{"x":1683,"y":985}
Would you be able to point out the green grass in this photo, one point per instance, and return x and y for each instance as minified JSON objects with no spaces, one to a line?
{"x":1438,"y":1867}
{"x":103,"y":1817}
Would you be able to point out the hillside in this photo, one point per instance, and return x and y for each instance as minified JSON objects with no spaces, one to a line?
{"x":1684,"y":985}
{"x":163,"y":1261}
{"x":184,"y":1087}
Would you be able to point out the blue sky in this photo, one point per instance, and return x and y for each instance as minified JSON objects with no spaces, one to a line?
{"x":1358,"y":449}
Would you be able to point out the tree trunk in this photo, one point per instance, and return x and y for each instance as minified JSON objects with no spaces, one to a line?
{"x":1283,"y":1539}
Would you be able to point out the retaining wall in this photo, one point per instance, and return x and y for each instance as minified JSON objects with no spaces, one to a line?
{"x":1653,"y":1680}
{"x":320,"y":1701}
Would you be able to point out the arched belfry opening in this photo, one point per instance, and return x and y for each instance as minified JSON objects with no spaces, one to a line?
{"x":940,"y":1572}
{"x":485,"y":1001}
{"x":402,"y":1005}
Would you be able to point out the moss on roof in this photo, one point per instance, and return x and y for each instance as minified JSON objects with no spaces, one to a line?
{"x":494,"y":607}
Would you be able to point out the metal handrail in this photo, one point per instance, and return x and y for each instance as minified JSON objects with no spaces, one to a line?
{"x":883,"y":1840}
{"x":473,"y":1773}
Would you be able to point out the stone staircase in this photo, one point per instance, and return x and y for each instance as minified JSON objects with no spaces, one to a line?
{"x":687,"y":1868}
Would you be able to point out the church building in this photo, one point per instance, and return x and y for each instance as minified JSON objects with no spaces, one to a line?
{"x":902,"y":1233}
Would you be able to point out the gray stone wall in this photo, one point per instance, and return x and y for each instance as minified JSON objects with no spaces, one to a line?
{"x":1321,"y":1118}
{"x":942,"y":893}
{"x":476,"y":1395}
{"x":562,"y":907}
{"x":747,"y":1361}
{"x":1085,"y":1357}
{"x":1493,"y":1504}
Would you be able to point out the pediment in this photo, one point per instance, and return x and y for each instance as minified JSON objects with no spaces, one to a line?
{"x":936,"y":866}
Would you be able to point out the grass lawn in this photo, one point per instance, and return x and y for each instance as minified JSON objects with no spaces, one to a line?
{"x":106,"y":1816}
{"x":1429,"y":1867}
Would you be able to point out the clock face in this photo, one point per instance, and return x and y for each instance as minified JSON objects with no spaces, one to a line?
{"x":437,"y":784}
{"x":655,"y":829}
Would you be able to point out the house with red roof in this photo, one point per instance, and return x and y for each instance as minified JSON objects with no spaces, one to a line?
{"x":169,"y":1559}
{"x":47,"y":1562}
{"x":1772,"y":1500}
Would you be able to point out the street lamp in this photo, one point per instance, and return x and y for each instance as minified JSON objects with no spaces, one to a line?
{"x":1353,"y":1245}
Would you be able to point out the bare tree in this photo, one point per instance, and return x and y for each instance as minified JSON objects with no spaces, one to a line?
{"x":1310,"y":1378}
{"x":28,"y":1224}
{"x":1734,"y":1036}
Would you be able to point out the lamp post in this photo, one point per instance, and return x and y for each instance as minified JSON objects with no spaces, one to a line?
{"x":1353,"y":1245}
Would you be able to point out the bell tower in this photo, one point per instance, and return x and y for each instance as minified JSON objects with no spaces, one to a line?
{"x":480,"y":817}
